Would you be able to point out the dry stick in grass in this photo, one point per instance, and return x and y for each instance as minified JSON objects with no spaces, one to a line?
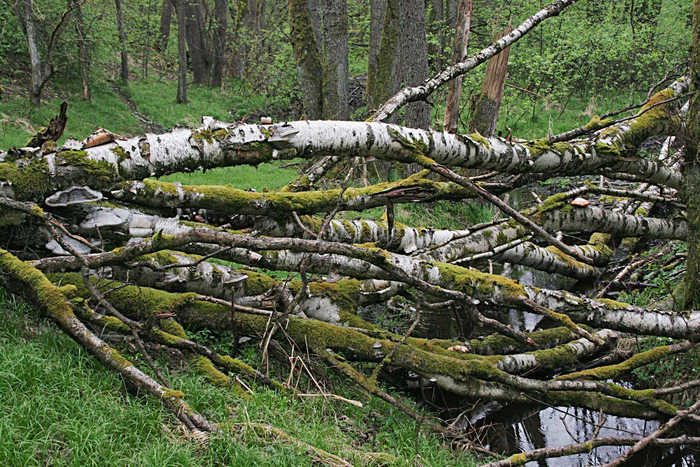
{"x":319,"y":455}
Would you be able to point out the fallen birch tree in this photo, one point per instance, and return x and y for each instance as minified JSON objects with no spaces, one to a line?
{"x":94,"y":240}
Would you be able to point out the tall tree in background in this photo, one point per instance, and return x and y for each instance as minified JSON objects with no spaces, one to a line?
{"x":41,"y":69}
{"x":165,"y":21}
{"x":219,"y":43}
{"x":402,"y":58}
{"x":39,"y":78}
{"x":459,"y":53}
{"x":691,"y":172}
{"x":413,"y":59}
{"x":122,"y":43}
{"x":383,"y":82}
{"x":307,"y":58}
{"x":377,"y":15}
{"x":335,"y":60}
{"x":182,"y":53}
{"x":83,"y":49}
{"x":197,"y":40}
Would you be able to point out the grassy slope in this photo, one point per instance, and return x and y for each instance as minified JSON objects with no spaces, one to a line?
{"x":60,"y":407}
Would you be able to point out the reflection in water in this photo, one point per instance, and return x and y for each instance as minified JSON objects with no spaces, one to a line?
{"x":561,"y":426}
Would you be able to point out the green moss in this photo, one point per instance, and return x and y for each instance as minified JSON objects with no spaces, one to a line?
{"x":611,"y":371}
{"x":518,"y":459}
{"x":165,"y":338}
{"x":561,"y":147}
{"x":120,"y":152}
{"x":203,"y":135}
{"x":480,"y":140}
{"x":612,"y":303}
{"x":118,"y":360}
{"x":539,"y":146}
{"x":501,"y":238}
{"x":30,"y":183}
{"x":202,"y":366}
{"x":172,"y":394}
{"x":100,"y":174}
{"x":477,"y":283}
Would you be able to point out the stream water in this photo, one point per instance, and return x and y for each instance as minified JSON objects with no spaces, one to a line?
{"x":510,"y":429}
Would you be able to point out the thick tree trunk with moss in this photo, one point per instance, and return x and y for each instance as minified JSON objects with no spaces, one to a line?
{"x":307,"y":57}
{"x":383,"y":82}
{"x":691,"y":172}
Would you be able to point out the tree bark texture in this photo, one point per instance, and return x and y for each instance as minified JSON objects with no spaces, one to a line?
{"x":38,"y":81}
{"x":691,"y":172}
{"x":413,"y":58}
{"x":377,"y":15}
{"x":123,"y":46}
{"x":197,"y":43}
{"x":307,"y":57}
{"x":219,"y":51}
{"x":165,"y":22}
{"x":459,"y":53}
{"x":484,"y":107}
{"x":335,"y":60}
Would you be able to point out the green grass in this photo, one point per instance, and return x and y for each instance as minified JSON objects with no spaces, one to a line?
{"x":60,"y":407}
{"x":19,"y":120}
{"x":264,"y":176}
{"x":156,"y":99}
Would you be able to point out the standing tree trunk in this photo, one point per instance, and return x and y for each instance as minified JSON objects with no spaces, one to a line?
{"x":377,"y":15}
{"x":316,"y":12}
{"x":38,"y":81}
{"x":83,"y":51}
{"x":122,"y":43}
{"x":219,"y":51}
{"x":182,"y":53}
{"x":459,"y":53}
{"x":485,"y":106}
{"x":195,"y":42}
{"x":335,"y":60}
{"x":307,"y":58}
{"x":691,"y":172}
{"x":387,"y":77}
{"x":413,"y":59}
{"x":165,"y":20}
